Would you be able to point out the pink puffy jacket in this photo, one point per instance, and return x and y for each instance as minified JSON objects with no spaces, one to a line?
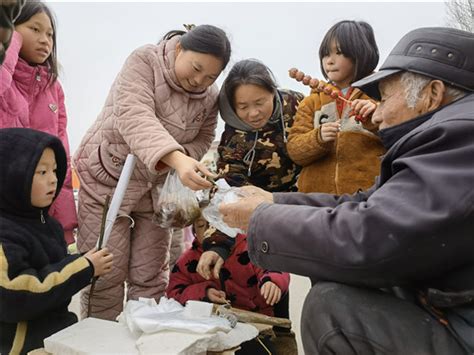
{"x":149,"y":115}
{"x":26,"y":100}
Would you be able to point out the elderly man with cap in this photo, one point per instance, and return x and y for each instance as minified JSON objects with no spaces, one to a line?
{"x":394,"y":265}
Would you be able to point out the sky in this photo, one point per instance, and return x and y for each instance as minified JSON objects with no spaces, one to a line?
{"x":95,"y":38}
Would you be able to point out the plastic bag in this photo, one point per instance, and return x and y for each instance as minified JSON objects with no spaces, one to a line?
{"x":224,"y":194}
{"x":177,"y":205}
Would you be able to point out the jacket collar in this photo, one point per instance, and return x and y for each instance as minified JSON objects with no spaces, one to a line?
{"x":390,"y":136}
{"x":25,"y":74}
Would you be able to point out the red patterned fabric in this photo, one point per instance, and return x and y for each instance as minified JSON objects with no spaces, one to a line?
{"x":242,"y":279}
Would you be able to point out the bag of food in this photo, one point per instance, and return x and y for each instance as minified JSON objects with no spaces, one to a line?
{"x":177,"y":205}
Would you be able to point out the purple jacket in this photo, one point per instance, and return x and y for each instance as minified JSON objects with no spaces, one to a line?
{"x":27,"y":101}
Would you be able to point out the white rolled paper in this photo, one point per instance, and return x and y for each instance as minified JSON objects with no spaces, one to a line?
{"x":117,"y":198}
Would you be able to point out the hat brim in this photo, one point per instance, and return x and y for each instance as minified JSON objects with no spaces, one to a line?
{"x":369,"y":84}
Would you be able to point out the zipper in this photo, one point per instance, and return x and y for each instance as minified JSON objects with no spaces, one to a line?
{"x":42,"y":217}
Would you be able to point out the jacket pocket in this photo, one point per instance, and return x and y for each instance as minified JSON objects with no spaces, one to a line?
{"x":105,"y":164}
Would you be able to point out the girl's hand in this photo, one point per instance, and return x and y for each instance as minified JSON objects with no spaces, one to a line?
{"x":189,"y":170}
{"x":363,"y":108}
{"x":210,"y":264}
{"x":271,"y":292}
{"x":216,"y":296}
{"x":102,"y":260}
{"x":329,"y":131}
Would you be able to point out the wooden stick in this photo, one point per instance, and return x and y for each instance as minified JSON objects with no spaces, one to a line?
{"x":251,"y":317}
{"x":101,"y":238}
{"x":344,"y":99}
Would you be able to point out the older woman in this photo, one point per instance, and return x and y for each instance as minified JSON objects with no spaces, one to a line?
{"x":252,"y":151}
{"x":258,"y":116}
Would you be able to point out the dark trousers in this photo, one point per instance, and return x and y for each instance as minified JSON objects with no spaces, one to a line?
{"x":341,"y":319}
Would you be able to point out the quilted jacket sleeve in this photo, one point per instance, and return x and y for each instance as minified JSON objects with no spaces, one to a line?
{"x":304,"y":145}
{"x":185,"y":283}
{"x":134,"y":109}
{"x":200,"y":145}
{"x":8,"y":67}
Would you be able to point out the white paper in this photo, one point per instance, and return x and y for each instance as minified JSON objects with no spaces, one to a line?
{"x":141,"y":316}
{"x":118,"y":196}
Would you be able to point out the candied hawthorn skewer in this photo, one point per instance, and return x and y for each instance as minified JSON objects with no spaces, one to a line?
{"x":320,"y":86}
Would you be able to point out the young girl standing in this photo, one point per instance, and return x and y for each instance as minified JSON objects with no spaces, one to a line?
{"x":339,"y":153}
{"x":162,"y":108}
{"x":32,"y":97}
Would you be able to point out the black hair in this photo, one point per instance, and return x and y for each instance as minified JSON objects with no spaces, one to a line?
{"x":31,"y":8}
{"x":206,"y":39}
{"x":248,"y":71}
{"x":356,"y":41}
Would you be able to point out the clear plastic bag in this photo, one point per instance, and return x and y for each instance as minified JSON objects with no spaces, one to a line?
{"x":224,"y":194}
{"x":177,"y":205}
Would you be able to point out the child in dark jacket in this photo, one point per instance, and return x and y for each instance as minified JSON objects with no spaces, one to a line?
{"x":242,"y":284}
{"x":37,"y":277}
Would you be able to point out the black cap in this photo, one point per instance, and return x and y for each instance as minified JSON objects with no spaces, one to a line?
{"x":440,"y":53}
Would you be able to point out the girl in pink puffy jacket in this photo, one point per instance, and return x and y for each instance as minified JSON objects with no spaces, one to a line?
{"x":32,"y":97}
{"x":162,"y":108}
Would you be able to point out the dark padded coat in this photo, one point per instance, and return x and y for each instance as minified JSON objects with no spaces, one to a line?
{"x":37,"y":277}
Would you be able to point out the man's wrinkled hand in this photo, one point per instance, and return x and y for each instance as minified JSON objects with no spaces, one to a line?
{"x":237,"y":214}
{"x":251,"y":190}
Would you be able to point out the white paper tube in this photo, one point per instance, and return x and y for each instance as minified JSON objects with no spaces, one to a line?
{"x":118,"y":196}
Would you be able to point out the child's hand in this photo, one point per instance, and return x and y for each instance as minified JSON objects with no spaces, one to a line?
{"x":271,"y":292}
{"x":210,"y":264}
{"x":216,"y":296}
{"x":102,"y":260}
{"x":363,"y":108}
{"x":329,"y":131}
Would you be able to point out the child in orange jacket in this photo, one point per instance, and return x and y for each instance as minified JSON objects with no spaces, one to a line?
{"x":340,"y":152}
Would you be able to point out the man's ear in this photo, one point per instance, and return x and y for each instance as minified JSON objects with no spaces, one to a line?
{"x":433,"y":96}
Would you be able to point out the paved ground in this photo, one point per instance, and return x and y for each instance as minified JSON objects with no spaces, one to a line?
{"x":299,"y":287}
